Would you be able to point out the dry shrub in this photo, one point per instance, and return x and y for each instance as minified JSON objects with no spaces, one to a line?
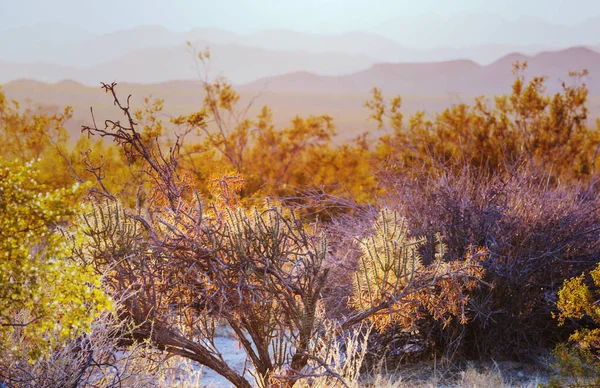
{"x":538,"y":233}
{"x":337,"y":359}
{"x":98,"y":359}
{"x":470,"y":375}
{"x":343,"y":234}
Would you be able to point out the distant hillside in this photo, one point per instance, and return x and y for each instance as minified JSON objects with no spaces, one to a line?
{"x":452,"y":77}
{"x":239,"y":63}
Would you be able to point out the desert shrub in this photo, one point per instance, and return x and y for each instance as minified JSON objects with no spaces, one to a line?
{"x":298,"y":163}
{"x":262,"y":270}
{"x":338,"y":359}
{"x":537,"y":235}
{"x":98,"y":359}
{"x":516,"y":176}
{"x":46,"y":294}
{"x":577,"y":361}
{"x":31,"y":133}
{"x":548,"y":130}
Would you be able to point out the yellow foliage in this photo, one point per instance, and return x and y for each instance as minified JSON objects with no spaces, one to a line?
{"x":527,"y":125}
{"x":577,"y":362}
{"x":45,"y":295}
{"x":292,"y":162}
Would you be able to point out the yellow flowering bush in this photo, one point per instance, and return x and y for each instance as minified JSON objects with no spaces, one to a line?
{"x":46,"y":296}
{"x":577,"y":362}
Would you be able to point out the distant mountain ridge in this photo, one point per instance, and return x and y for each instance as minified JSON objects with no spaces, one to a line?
{"x":71,"y":46}
{"x":452,"y":77}
{"x":151,"y":53}
{"x":239,"y":63}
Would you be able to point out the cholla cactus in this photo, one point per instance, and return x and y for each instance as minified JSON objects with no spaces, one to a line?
{"x":393,"y":285}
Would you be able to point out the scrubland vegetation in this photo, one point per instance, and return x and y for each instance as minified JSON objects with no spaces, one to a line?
{"x":469,"y":237}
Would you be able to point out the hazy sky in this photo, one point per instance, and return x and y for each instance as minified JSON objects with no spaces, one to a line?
{"x":251,"y":15}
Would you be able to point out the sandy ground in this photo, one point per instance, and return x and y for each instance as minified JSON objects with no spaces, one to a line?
{"x":424,"y":374}
{"x":234,"y":355}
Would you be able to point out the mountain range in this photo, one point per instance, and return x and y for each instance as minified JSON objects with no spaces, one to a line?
{"x":457,"y":77}
{"x":301,"y":72}
{"x":150,"y":54}
{"x":239,"y":63}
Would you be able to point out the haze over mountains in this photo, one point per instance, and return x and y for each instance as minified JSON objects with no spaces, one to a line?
{"x":241,"y":64}
{"x":473,"y":29}
{"x":150,"y":54}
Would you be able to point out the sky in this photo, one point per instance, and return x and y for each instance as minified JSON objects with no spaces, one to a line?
{"x":319,"y":16}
